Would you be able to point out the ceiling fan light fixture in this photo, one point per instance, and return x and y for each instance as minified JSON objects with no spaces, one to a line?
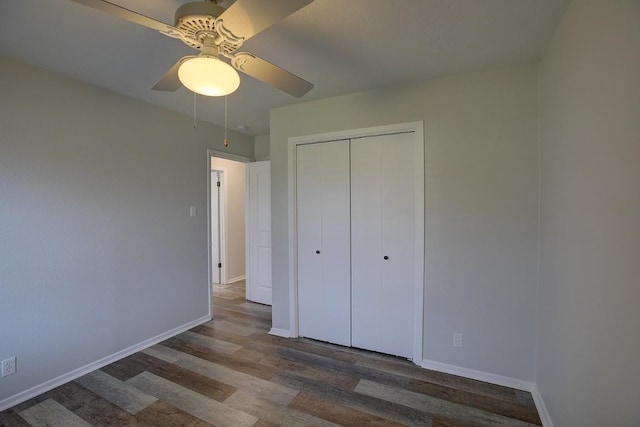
{"x":209,"y":76}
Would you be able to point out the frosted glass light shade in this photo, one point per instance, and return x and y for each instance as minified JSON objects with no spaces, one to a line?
{"x":208,"y":76}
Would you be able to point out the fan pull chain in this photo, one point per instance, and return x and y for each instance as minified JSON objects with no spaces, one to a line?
{"x":226,"y":141}
{"x":195,"y":111}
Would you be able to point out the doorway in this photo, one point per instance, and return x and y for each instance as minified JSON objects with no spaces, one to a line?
{"x":217,"y":227}
{"x":226,"y":217}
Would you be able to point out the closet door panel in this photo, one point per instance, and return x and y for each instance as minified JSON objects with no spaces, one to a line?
{"x":323,"y":241}
{"x":366,"y":241}
{"x":383,"y":225}
{"x":336,"y":242}
{"x":398,"y":236}
{"x":309,"y":211}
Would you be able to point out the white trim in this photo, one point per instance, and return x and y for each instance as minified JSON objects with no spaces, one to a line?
{"x":478,"y":375}
{"x":357,"y":133}
{"x":420,"y":242}
{"x":418,"y":129}
{"x":292,"y":246}
{"x":280,"y":333}
{"x":76,"y":373}
{"x":222,"y":213}
{"x":222,"y":155}
{"x":237,"y":279}
{"x":247,"y":236}
{"x":229,"y":156}
{"x":209,"y":276}
{"x":541,"y":407}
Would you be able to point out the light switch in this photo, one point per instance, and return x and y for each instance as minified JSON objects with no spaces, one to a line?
{"x":192,"y":211}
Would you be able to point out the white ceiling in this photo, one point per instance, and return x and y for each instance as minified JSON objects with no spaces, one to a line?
{"x":341,"y":46}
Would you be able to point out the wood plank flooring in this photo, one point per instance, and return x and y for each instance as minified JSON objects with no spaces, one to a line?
{"x":231,"y":372}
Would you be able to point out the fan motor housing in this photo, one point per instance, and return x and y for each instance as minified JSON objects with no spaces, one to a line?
{"x":197,"y":20}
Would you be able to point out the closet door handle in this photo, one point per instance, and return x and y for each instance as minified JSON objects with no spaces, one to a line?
{"x":317,"y":251}
{"x":385,"y":257}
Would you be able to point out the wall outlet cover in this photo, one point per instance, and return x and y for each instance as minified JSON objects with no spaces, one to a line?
{"x":9,"y":366}
{"x":457,"y":340}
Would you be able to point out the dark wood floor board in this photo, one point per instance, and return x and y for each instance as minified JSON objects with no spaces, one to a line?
{"x":141,"y":362}
{"x":257,"y":307}
{"x":501,"y":407}
{"x":189,"y":401}
{"x":100,"y":412}
{"x":236,"y":363}
{"x":436,"y":407}
{"x":165,"y":415}
{"x":241,"y":318}
{"x":338,"y":413}
{"x":343,"y":380}
{"x":214,"y":344}
{"x":228,"y":293}
{"x":242,"y":340}
{"x":407,"y":368}
{"x":310,"y":346}
{"x":10,"y":418}
{"x":51,"y":413}
{"x":372,"y":405}
{"x":246,"y":309}
{"x":446,"y":422}
{"x":345,"y":368}
{"x":88,"y":405}
{"x":357,"y":353}
{"x":250,"y":343}
{"x":235,"y":328}
{"x":263,"y":423}
{"x":240,"y":380}
{"x":525,"y":399}
{"x":231,"y":371}
{"x":267,"y":410}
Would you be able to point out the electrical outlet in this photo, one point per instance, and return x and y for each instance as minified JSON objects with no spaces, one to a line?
{"x":457,"y":340}
{"x":9,"y":366}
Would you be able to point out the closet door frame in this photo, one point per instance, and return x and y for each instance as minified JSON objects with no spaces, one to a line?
{"x":417,"y":128}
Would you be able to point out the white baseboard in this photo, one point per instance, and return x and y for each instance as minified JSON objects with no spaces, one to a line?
{"x":541,"y":407}
{"x":478,"y":375}
{"x":76,"y":373}
{"x":515,"y":383}
{"x":237,"y":279}
{"x":280,"y":332}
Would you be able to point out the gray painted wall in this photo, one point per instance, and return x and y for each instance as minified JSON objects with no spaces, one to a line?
{"x":97,"y":249}
{"x":481,"y":134}
{"x":234,"y":216}
{"x":588,"y":339}
{"x":262,"y":147}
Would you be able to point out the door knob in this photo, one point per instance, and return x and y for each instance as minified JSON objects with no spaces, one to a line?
{"x":386,"y":257}
{"x":317,"y":252}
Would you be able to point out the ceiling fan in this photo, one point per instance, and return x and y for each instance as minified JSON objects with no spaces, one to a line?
{"x":218,"y":32}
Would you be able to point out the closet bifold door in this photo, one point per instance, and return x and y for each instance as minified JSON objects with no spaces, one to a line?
{"x":323,"y":231}
{"x":382,"y":237}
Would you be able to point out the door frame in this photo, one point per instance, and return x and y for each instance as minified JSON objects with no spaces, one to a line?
{"x":222,"y":155}
{"x":222,"y":236}
{"x":418,"y":129}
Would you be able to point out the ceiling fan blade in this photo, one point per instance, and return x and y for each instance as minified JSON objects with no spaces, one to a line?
{"x":267,"y":72}
{"x":246,"y":18}
{"x":170,"y":81}
{"x":129,"y":15}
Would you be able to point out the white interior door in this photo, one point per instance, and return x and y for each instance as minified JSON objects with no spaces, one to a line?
{"x":383,"y":236}
{"x":323,"y":241}
{"x":259,"y":232}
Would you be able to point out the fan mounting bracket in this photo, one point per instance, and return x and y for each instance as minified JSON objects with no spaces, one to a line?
{"x":198,"y":21}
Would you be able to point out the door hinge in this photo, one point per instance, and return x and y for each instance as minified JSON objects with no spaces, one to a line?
{"x":218,"y":183}
{"x":219,"y":265}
